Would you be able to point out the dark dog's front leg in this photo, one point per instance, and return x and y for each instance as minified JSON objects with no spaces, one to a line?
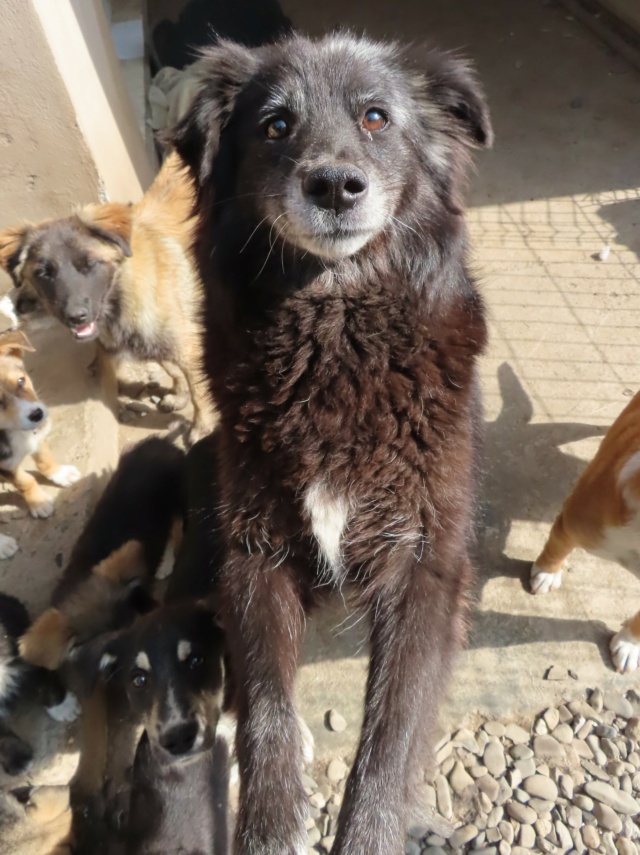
{"x":265,"y":633}
{"x":417,"y":627}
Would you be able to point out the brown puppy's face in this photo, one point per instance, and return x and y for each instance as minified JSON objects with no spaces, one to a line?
{"x":71,"y":263}
{"x":20,"y":408}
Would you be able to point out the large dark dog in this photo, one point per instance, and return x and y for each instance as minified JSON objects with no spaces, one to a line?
{"x":343,"y":330}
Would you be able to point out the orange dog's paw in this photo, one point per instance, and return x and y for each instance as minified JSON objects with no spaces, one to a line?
{"x":542,"y":582}
{"x":625,"y":651}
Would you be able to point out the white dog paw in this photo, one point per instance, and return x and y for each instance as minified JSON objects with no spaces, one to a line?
{"x":67,"y":710}
{"x":543,"y":582}
{"x":8,"y":546}
{"x":41,"y":509}
{"x":65,"y":476}
{"x":625,"y":651}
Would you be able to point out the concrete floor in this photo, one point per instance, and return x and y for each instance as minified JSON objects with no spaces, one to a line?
{"x":562,"y":181}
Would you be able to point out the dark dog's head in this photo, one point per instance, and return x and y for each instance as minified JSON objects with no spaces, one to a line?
{"x":20,"y":408}
{"x":170,"y":667}
{"x":325,"y":143}
{"x":71,"y":263}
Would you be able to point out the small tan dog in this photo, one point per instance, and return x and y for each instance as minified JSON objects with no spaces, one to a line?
{"x":602,"y":516}
{"x":122,"y":274}
{"x":24,"y":425}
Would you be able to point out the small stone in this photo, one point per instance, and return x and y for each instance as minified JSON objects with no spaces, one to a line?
{"x":313,"y":836}
{"x":337,"y":770}
{"x":494,"y":728}
{"x":595,"y":770}
{"x":443,"y":795}
{"x":564,"y":838}
{"x":608,"y":843}
{"x":527,"y":836}
{"x":526,"y":768}
{"x":310,"y":823}
{"x":459,"y":780}
{"x":504,"y":792}
{"x":540,"y":806}
{"x":617,"y":704}
{"x":545,"y":846}
{"x":585,"y":730}
{"x":573,"y":674}
{"x":555,"y":672}
{"x":433,"y":850}
{"x":541,"y":787}
{"x":493,"y":758}
{"x":466,"y":739}
{"x":607,"y":818}
{"x":596,"y":700}
{"x":420,"y":831}
{"x":488,"y":785}
{"x":620,"y":801}
{"x":136,"y":407}
{"x":410,"y":847}
{"x":606,"y":730}
{"x":443,"y":752}
{"x":583,"y":802}
{"x":632,"y":730}
{"x":630,"y":829}
{"x":308,"y":781}
{"x":543,"y":827}
{"x":495,"y":816}
{"x":317,"y":800}
{"x":565,"y":785}
{"x":626,"y":846}
{"x":519,"y":850}
{"x":448,"y":765}
{"x":574,"y":817}
{"x":477,"y":770}
{"x":337,"y":723}
{"x":493,"y":835}
{"x":565,"y":713}
{"x":434,"y":840}
{"x":327,"y":843}
{"x":540,"y":727}
{"x":155,"y":399}
{"x":462,"y":835}
{"x":547,"y":748}
{"x":521,"y":813}
{"x":563,"y":733}
{"x":484,"y":803}
{"x":590,"y":837}
{"x":516,"y":734}
{"x":521,"y":752}
{"x":551,"y":717}
{"x":504,"y":848}
{"x":507,"y":832}
{"x":521,"y":796}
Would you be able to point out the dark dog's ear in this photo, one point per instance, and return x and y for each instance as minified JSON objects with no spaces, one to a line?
{"x":110,"y":222}
{"x":453,"y":85}
{"x":225,"y":69}
{"x":12,"y":242}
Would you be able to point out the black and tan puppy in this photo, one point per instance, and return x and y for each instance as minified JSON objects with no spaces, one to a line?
{"x":116,"y":556}
{"x":122,"y":274}
{"x":343,"y":330}
{"x":24,"y":426}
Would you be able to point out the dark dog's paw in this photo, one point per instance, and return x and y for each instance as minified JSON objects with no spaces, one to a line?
{"x":15,"y":754}
{"x":170,"y":403}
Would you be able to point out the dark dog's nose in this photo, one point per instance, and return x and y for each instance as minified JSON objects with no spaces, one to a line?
{"x":78,"y":317}
{"x":36,"y":416}
{"x":337,"y":187}
{"x":179,"y":739}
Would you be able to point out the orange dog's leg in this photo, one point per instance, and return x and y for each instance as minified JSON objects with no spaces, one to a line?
{"x":625,"y":646}
{"x":40,"y":505}
{"x":546,"y":572}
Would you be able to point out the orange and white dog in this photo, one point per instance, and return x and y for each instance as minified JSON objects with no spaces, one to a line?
{"x":602,"y":516}
{"x":24,"y":425}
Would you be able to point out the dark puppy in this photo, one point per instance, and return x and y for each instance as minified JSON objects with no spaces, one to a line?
{"x":343,"y":328}
{"x":20,"y":682}
{"x":117,"y":554}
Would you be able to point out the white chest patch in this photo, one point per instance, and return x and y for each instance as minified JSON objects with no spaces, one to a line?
{"x":328,"y":515}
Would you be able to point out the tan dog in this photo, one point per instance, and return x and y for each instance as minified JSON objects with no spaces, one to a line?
{"x":602,"y":516}
{"x":24,"y":425}
{"x":122,"y":274}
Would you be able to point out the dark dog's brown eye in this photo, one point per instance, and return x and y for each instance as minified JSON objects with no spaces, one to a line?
{"x":45,"y":271}
{"x":374,"y":120}
{"x":139,"y":679}
{"x":277,"y":129}
{"x":196,"y":661}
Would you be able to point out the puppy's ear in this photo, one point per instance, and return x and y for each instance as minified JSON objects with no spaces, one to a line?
{"x":14,"y":343}
{"x":98,"y":659}
{"x":12,"y":242}
{"x":452,"y":84}
{"x":110,"y":222}
{"x":224,"y":70}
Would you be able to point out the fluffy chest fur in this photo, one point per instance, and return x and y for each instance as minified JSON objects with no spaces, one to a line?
{"x":15,"y":445}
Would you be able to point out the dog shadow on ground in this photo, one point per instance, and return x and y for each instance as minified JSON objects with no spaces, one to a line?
{"x":625,"y":218}
{"x":527,"y":477}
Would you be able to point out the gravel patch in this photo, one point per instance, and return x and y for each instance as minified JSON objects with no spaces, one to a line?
{"x":567,"y":783}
